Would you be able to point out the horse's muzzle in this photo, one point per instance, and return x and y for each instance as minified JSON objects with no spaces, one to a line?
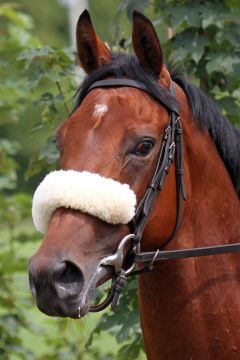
{"x":62,"y":289}
{"x":57,"y":289}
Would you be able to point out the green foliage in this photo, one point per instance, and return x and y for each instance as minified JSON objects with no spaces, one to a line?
{"x":124,"y":325}
{"x":8,"y":165}
{"x":204,"y":42}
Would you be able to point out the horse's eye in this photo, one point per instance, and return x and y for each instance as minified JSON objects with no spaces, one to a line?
{"x":144,"y":148}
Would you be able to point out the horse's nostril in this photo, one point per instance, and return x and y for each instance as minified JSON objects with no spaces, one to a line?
{"x":67,"y":278}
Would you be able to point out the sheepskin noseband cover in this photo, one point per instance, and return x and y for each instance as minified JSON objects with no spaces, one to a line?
{"x":104,"y":198}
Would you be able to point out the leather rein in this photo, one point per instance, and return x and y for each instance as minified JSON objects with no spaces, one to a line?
{"x":172,"y":150}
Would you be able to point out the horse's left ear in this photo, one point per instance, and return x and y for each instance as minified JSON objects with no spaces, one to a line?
{"x":146,"y":44}
{"x":92,"y":52}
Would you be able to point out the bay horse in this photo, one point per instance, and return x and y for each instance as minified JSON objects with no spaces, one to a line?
{"x":144,"y":153}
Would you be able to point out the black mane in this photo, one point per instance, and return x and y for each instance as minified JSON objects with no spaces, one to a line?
{"x":205,"y":111}
{"x":224,"y":135}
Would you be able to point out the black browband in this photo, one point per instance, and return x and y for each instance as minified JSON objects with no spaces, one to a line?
{"x":171,"y":150}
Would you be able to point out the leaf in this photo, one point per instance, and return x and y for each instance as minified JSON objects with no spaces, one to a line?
{"x":49,"y":152}
{"x":130,"y":5}
{"x":229,"y":104}
{"x":7,"y":183}
{"x":189,"y":44}
{"x":30,"y":55}
{"x":9,"y":147}
{"x":129,"y":352}
{"x":198,"y":48}
{"x":182,"y":16}
{"x":214,"y":19}
{"x":229,"y":35}
{"x":33,"y":169}
{"x":221,"y":62}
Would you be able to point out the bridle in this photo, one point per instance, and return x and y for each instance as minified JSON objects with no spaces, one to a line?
{"x":171,"y":151}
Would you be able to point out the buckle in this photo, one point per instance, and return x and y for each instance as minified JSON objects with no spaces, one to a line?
{"x":166,"y":132}
{"x":150,"y":265}
{"x":118,"y":287}
{"x":171,"y":149}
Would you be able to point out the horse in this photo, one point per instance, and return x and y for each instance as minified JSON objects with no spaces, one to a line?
{"x":145,"y":156}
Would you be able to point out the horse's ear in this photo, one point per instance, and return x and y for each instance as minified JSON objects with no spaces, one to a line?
{"x":92,"y":52}
{"x":146,"y":44}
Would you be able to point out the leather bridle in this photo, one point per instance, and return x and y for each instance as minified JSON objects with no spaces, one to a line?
{"x":171,"y":151}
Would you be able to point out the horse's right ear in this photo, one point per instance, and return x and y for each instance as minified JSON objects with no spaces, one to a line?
{"x":92,"y":52}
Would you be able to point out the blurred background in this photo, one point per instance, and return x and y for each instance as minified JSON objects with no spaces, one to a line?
{"x":38,"y":80}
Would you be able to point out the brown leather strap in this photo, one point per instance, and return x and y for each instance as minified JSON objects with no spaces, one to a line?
{"x":172,"y":147}
{"x":115,"y":83}
{"x":147,"y":257}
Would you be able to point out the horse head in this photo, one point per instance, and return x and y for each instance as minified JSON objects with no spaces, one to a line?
{"x":114,"y":135}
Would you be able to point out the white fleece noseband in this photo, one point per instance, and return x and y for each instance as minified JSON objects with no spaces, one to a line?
{"x":107,"y":199}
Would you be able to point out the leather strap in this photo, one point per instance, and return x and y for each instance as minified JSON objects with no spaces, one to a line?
{"x":186,"y":253}
{"x":115,"y":83}
{"x":171,"y":148}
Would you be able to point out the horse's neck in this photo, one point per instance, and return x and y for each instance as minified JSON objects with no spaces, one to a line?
{"x":190,"y":308}
{"x":213,"y":208}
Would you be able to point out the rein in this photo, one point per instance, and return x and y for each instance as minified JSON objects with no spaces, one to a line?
{"x":172,"y":150}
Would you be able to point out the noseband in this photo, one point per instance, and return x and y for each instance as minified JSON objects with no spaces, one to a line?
{"x":171,"y":151}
